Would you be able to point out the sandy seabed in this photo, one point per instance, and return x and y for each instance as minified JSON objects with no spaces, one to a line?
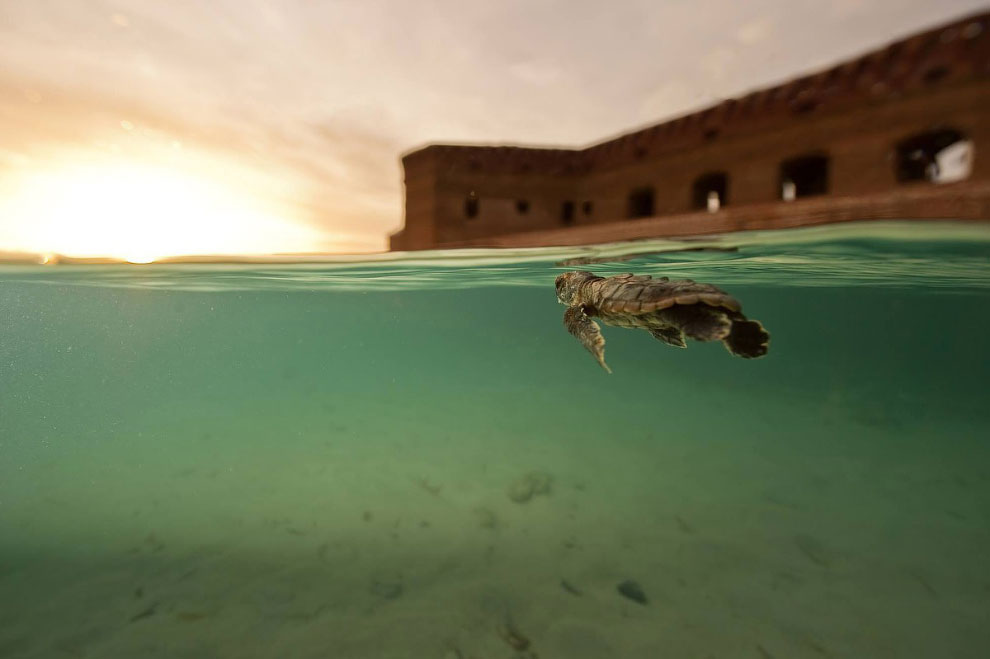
{"x":313,"y":531}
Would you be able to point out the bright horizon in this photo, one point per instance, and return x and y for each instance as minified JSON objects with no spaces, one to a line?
{"x":139,"y":131}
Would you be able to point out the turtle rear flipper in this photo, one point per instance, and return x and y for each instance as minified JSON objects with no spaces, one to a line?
{"x":587,"y":332}
{"x":669,"y":335}
{"x":747,"y":339}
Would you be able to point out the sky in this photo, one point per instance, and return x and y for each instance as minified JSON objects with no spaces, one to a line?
{"x":140,"y":129}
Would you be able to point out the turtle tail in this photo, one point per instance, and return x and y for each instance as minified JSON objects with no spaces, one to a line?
{"x":747,"y":338}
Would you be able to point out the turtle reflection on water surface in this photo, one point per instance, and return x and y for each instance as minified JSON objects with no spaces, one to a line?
{"x":668,"y":310}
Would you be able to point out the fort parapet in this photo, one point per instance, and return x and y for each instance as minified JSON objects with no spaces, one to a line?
{"x":902,"y":132}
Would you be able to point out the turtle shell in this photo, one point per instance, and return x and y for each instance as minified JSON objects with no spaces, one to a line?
{"x":642,"y":294}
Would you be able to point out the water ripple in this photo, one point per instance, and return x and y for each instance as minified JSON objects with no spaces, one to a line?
{"x":940,"y":255}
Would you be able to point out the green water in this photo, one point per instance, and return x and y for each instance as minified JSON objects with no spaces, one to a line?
{"x":314,"y":460}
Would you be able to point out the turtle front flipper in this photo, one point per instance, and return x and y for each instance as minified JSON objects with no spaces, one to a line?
{"x":587,"y":332}
{"x":672,"y":336}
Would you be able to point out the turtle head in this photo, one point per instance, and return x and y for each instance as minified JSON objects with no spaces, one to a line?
{"x":569,"y":286}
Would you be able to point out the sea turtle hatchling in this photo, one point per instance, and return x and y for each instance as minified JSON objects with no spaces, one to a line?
{"x":667,"y":309}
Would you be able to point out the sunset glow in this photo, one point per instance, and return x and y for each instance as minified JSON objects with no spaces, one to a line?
{"x":141,"y":213}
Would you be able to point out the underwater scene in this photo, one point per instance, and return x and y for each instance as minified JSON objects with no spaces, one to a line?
{"x":408,"y":455}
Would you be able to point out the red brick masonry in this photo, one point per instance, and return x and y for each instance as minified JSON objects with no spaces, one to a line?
{"x":959,"y":201}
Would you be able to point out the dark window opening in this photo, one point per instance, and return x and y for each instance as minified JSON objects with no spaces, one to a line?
{"x":641,"y":202}
{"x":804,"y":176}
{"x":587,"y":207}
{"x":804,"y":102}
{"x":522,"y":206}
{"x":567,"y":212}
{"x":710,"y":191}
{"x":471,"y":205}
{"x":935,"y":74}
{"x":918,"y":155}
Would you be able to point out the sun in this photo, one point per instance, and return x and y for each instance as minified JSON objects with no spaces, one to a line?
{"x":142,"y":212}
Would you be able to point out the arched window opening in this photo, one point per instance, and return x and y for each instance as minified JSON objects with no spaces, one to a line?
{"x":710,"y":192}
{"x":522,"y":206}
{"x":938,"y":156}
{"x":567,"y":213}
{"x":641,"y":202}
{"x":471,"y":206}
{"x":587,"y":207}
{"x":804,"y":176}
